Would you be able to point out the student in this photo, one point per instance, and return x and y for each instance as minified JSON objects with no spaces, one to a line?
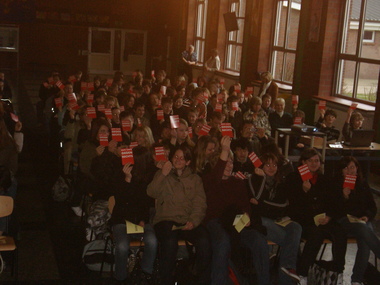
{"x":241,"y":149}
{"x":270,"y":199}
{"x":257,"y":115}
{"x":310,"y":198}
{"x":180,"y":201}
{"x":227,"y":196}
{"x":266,"y":105}
{"x":354,"y":121}
{"x":155,"y":122}
{"x":180,"y":136}
{"x":133,"y":205}
{"x":325,"y":124}
{"x":143,"y":136}
{"x":140,"y":115}
{"x":357,"y":202}
{"x":205,"y":151}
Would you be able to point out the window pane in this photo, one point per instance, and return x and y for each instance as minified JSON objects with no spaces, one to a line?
{"x":368,"y":81}
{"x":346,"y":77}
{"x":199,"y":21}
{"x":289,"y":67}
{"x":281,"y":23}
{"x":351,"y":27}
{"x":101,"y":41}
{"x":293,"y":25}
{"x":278,"y":59}
{"x":232,"y":36}
{"x":242,"y":8}
{"x":371,"y":50}
{"x":199,"y":48}
{"x":238,"y":50}
{"x":240,"y":32}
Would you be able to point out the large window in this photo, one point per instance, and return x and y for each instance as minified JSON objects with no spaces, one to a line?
{"x":235,"y":38}
{"x":359,"y":57}
{"x":200,"y":28}
{"x":285,"y":40}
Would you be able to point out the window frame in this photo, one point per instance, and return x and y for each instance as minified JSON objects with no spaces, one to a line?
{"x":200,"y":41}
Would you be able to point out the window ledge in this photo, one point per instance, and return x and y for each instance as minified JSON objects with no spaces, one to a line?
{"x":346,"y":102}
{"x":283,"y":87}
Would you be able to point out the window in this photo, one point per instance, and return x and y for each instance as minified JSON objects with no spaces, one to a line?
{"x":285,"y":40}
{"x":358,"y":61}
{"x":200,"y":28}
{"x":235,"y":38}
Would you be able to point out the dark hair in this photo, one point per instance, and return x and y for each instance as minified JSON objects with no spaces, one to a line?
{"x":96,"y":124}
{"x":126,"y":113}
{"x":242,"y":143}
{"x":138,"y":105}
{"x":308,"y":153}
{"x":143,"y":163}
{"x":273,"y":149}
{"x":269,"y":156}
{"x":345,"y":161}
{"x":166,"y":100}
{"x":330,"y":112}
{"x":187,"y":154}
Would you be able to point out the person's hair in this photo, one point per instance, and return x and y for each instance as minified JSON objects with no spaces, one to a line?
{"x":255,"y":100}
{"x":166,"y":100}
{"x":126,"y":113}
{"x":138,"y":89}
{"x":193,"y":110}
{"x":356,"y":116}
{"x":162,"y":72}
{"x":345,"y":161}
{"x":216,"y":115}
{"x":100,"y":93}
{"x":179,"y":88}
{"x":214,"y":50}
{"x":187,"y":139}
{"x":95,"y":126}
{"x":279,"y":100}
{"x":266,"y":96}
{"x":5,"y":138}
{"x":148,"y":134}
{"x":267,"y":75}
{"x":232,"y":98}
{"x":309,"y":153}
{"x":200,"y":152}
{"x":138,"y":105}
{"x":331,"y":113}
{"x":147,"y":82}
{"x":273,"y":148}
{"x":143,"y":163}
{"x":301,"y":114}
{"x":187,"y":154}
{"x":197,"y":91}
{"x":242,"y":143}
{"x":266,"y":157}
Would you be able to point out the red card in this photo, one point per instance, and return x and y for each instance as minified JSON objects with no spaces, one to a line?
{"x":103,"y":139}
{"x":354,"y":106}
{"x":14,"y":117}
{"x":160,"y":115}
{"x":108,"y":113}
{"x":83,"y":86}
{"x":295,"y":99}
{"x":127,"y":156}
{"x":90,"y":86}
{"x":218,"y":107}
{"x":101,"y":108}
{"x":160,"y":153}
{"x":220,"y":98}
{"x":90,"y":98}
{"x":163,"y":90}
{"x":174,"y":121}
{"x":249,"y":90}
{"x":190,"y":130}
{"x":305,"y":172}
{"x":235,"y":106}
{"x":72,"y":98}
{"x":255,"y":159}
{"x":139,"y":124}
{"x":60,"y":85}
{"x":152,"y":73}
{"x":116,"y":134}
{"x":58,"y":102}
{"x":73,"y":105}
{"x":240,"y":175}
{"x":72,"y":79}
{"x":322,"y":105}
{"x":349,"y":181}
{"x":297,"y":121}
{"x":109,"y":82}
{"x":133,"y":144}
{"x":205,"y":130}
{"x":122,"y":108}
{"x":91,"y":112}
{"x":237,"y":87}
{"x":126,"y":125}
{"x":226,"y":129}
{"x":222,"y":81}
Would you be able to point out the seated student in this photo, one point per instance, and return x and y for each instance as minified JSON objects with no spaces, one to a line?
{"x":178,"y":108}
{"x":155,"y":123}
{"x":227,"y":196}
{"x":153,"y":104}
{"x":279,"y":118}
{"x":147,"y":88}
{"x":115,"y":121}
{"x":235,"y":117}
{"x":257,"y":115}
{"x":181,"y":136}
{"x":357,"y":202}
{"x":266,"y":105}
{"x":192,"y":116}
{"x":270,"y":200}
{"x":180,"y":201}
{"x":205,"y":152}
{"x":354,"y":121}
{"x":133,"y":205}
{"x":325,"y":124}
{"x":241,"y":149}
{"x":256,"y":137}
{"x":196,"y":127}
{"x":139,"y":118}
{"x":143,"y":136}
{"x":308,"y":199}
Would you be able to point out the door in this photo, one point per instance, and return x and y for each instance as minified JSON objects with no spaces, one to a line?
{"x":101,"y":50}
{"x":133,"y":51}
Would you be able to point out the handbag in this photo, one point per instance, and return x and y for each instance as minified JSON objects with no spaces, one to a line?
{"x":321,"y":275}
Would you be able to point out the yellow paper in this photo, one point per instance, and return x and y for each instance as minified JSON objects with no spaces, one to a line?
{"x":133,"y":228}
{"x":354,"y":219}
{"x":283,"y":222}
{"x":174,"y":228}
{"x":317,"y":217}
{"x":241,"y":221}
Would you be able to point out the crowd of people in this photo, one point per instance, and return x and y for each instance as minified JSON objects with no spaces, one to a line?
{"x":203,"y":157}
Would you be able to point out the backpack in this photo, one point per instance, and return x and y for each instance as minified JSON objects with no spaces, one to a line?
{"x":62,"y":189}
{"x":98,"y":218}
{"x":93,"y":255}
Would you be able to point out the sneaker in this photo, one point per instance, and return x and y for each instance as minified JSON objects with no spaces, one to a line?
{"x":291,"y":273}
{"x":77,"y":211}
{"x":303,"y":280}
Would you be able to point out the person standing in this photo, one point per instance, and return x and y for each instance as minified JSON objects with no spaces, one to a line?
{"x":189,"y":58}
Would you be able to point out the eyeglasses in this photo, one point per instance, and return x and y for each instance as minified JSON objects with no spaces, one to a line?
{"x":352,"y":167}
{"x":179,"y":157}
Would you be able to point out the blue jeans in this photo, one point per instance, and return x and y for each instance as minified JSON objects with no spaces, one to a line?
{"x":366,"y":241}
{"x":221,"y":249}
{"x":122,"y":241}
{"x":289,"y":239}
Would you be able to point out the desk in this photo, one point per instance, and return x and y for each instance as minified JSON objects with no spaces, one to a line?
{"x":288,"y":132}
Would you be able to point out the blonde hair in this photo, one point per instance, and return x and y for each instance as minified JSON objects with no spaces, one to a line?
{"x":148,"y":135}
{"x":200,"y":153}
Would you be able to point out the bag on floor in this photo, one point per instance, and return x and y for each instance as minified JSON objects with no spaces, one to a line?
{"x":320,"y":275}
{"x":98,"y":219}
{"x":62,"y":189}
{"x":93,"y":255}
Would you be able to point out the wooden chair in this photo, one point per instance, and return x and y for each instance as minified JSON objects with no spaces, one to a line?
{"x":7,"y":243}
